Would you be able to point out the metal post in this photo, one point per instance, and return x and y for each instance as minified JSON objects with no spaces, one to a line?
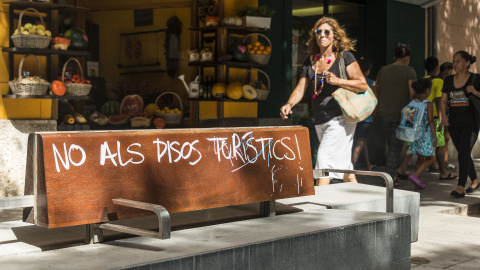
{"x":388,"y":181}
{"x":267,"y":209}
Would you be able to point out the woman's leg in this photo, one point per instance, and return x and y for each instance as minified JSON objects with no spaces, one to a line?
{"x":394,"y":145}
{"x":365,"y":157}
{"x":462,"y":138}
{"x":472,"y":173}
{"x":335,"y":149}
{"x":359,"y":145}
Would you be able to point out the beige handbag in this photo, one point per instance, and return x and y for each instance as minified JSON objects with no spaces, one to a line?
{"x":356,"y":107}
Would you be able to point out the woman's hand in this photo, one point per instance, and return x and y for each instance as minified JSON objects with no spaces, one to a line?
{"x":286,"y":110}
{"x":331,"y":78}
{"x":434,"y":140}
{"x":471,"y":89}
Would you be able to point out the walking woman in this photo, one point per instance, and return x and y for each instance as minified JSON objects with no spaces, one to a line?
{"x":394,"y":92}
{"x":461,"y":120}
{"x":320,"y":77}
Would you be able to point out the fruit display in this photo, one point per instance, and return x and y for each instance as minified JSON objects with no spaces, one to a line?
{"x":258,"y":48}
{"x":168,"y":110}
{"x":150,"y":109}
{"x":119,"y":119}
{"x":212,"y":21}
{"x":58,"y":88}
{"x":30,"y":29}
{"x":240,"y":52}
{"x":76,"y":79}
{"x":234,"y":90}
{"x":141,"y":119}
{"x":110,"y":108}
{"x":60,"y":43}
{"x":218,"y":88}
{"x":68,"y":119}
{"x":131,"y":104}
{"x":99,"y":118}
{"x":233,"y":21}
{"x":159,"y":122}
{"x":79,"y":118}
{"x":33,"y":79}
{"x":78,"y":39}
{"x":249,"y":92}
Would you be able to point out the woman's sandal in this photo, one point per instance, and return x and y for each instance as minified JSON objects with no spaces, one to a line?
{"x":402,"y":176}
{"x":450,"y":176}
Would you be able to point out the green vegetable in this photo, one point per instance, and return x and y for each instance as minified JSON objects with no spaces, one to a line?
{"x":261,"y":11}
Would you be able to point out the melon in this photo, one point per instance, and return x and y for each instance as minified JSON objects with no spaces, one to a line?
{"x":131,"y":104}
{"x":78,"y":39}
{"x":99,"y":118}
{"x":218,"y":88}
{"x":119,"y":119}
{"x":110,"y":108}
{"x":150,"y":109}
{"x":234,"y":90}
{"x":249,"y":92}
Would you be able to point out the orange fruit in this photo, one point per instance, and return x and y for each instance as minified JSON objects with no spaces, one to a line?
{"x":159,"y":122}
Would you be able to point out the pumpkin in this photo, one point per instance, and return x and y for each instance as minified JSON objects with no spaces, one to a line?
{"x":58,"y":88}
{"x":218,"y":88}
{"x":159,"y":122}
{"x":234,"y":90}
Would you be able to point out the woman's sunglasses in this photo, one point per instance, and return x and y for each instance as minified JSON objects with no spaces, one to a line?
{"x":319,"y":32}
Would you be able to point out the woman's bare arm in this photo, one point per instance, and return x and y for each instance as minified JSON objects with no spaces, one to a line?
{"x":356,"y":81}
{"x":295,"y":98}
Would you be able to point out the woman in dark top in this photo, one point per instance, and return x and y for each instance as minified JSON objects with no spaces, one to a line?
{"x":461,"y":120}
{"x":320,"y":77}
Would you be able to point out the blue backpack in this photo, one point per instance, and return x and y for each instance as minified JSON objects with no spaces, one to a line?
{"x":411,"y":128}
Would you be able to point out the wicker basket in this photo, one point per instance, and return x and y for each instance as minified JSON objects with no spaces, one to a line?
{"x":261,"y":59}
{"x":75,"y":89}
{"x":30,"y":88}
{"x":30,"y":41}
{"x":170,"y":118}
{"x":262,"y":94}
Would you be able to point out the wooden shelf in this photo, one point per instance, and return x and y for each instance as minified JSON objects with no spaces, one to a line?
{"x":44,"y":6}
{"x":46,"y":97}
{"x":225,"y":100}
{"x":35,"y":51}
{"x":232,"y":29}
{"x":232,"y":64}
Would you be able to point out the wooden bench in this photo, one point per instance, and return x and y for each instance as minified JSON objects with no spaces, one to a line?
{"x":91,"y":178}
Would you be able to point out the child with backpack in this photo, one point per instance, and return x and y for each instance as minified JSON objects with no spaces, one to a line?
{"x":418,"y":128}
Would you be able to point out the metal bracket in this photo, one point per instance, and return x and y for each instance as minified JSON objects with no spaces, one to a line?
{"x":267,"y":209}
{"x":164,"y":227}
{"x":388,"y":181}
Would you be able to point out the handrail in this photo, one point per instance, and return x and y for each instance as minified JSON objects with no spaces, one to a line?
{"x":388,"y":181}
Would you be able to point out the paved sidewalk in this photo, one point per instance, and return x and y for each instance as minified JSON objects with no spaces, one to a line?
{"x":448,"y":237}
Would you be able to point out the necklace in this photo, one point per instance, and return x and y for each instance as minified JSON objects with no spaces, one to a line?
{"x":315,"y":93}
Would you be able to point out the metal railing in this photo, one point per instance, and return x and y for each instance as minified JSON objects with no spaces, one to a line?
{"x":388,"y":181}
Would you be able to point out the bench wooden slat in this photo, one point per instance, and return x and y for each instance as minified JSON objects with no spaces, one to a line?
{"x":77,"y":174}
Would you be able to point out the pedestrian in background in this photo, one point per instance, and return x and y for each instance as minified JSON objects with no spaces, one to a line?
{"x":446,"y":69}
{"x":393,"y":91}
{"x":320,"y":77}
{"x":361,"y":131}
{"x":461,"y":119}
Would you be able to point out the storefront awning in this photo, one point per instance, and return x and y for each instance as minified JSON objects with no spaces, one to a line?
{"x":422,"y":3}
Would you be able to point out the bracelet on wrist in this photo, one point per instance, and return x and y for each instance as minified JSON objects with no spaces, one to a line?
{"x":291,"y":106}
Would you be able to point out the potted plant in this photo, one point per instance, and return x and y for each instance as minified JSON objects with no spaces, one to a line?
{"x":259,"y":17}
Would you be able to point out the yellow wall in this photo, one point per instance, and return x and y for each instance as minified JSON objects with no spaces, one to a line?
{"x":19,"y":108}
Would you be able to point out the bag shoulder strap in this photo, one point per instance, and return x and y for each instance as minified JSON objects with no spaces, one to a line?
{"x":342,"y":68}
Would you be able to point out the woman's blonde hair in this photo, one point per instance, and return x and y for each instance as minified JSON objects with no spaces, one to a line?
{"x":340,"y":40}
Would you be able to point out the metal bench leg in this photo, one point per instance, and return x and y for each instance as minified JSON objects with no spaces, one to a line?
{"x":92,"y":233}
{"x":267,"y":208}
{"x":164,"y":227}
